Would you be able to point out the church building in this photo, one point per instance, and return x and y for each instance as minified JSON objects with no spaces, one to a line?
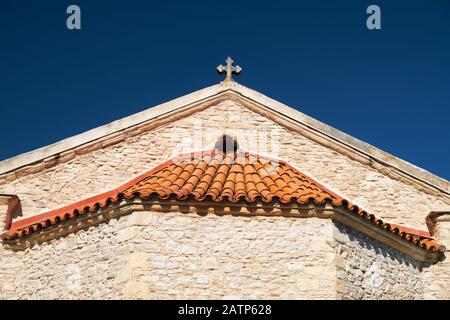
{"x":223,"y":193}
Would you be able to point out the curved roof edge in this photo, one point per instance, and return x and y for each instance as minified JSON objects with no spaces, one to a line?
{"x":240,"y":178}
{"x":385,"y":158}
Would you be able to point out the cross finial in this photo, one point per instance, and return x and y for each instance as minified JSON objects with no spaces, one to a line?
{"x":229,"y":69}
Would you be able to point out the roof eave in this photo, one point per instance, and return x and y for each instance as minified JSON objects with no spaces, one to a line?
{"x":125,"y":207}
{"x":373,"y":231}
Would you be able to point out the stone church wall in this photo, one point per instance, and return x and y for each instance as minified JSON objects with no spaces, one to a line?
{"x":154,"y":255}
{"x":437,"y":276}
{"x":85,"y":173}
{"x":367,"y":269}
{"x":90,"y":170}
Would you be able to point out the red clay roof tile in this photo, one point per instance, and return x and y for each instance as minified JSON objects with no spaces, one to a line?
{"x":219,"y":177}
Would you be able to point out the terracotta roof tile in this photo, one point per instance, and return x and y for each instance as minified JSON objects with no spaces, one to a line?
{"x":219,"y":177}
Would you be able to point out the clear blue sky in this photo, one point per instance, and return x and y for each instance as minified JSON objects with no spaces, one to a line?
{"x":390,"y":88}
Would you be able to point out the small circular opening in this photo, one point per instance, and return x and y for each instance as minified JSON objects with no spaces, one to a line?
{"x":226,"y":143}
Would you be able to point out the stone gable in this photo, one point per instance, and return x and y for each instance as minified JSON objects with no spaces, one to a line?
{"x":94,"y":171}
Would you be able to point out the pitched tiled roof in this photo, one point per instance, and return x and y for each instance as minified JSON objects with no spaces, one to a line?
{"x":231,"y":177}
{"x":219,"y":177}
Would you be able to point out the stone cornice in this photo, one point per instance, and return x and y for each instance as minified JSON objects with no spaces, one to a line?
{"x":204,"y":208}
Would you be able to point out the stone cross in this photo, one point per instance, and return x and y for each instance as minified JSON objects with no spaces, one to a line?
{"x":229,"y":69}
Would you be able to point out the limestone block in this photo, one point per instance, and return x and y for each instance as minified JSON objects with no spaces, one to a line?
{"x":136,"y":290}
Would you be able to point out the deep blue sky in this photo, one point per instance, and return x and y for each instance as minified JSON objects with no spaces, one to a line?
{"x":390,"y":88}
